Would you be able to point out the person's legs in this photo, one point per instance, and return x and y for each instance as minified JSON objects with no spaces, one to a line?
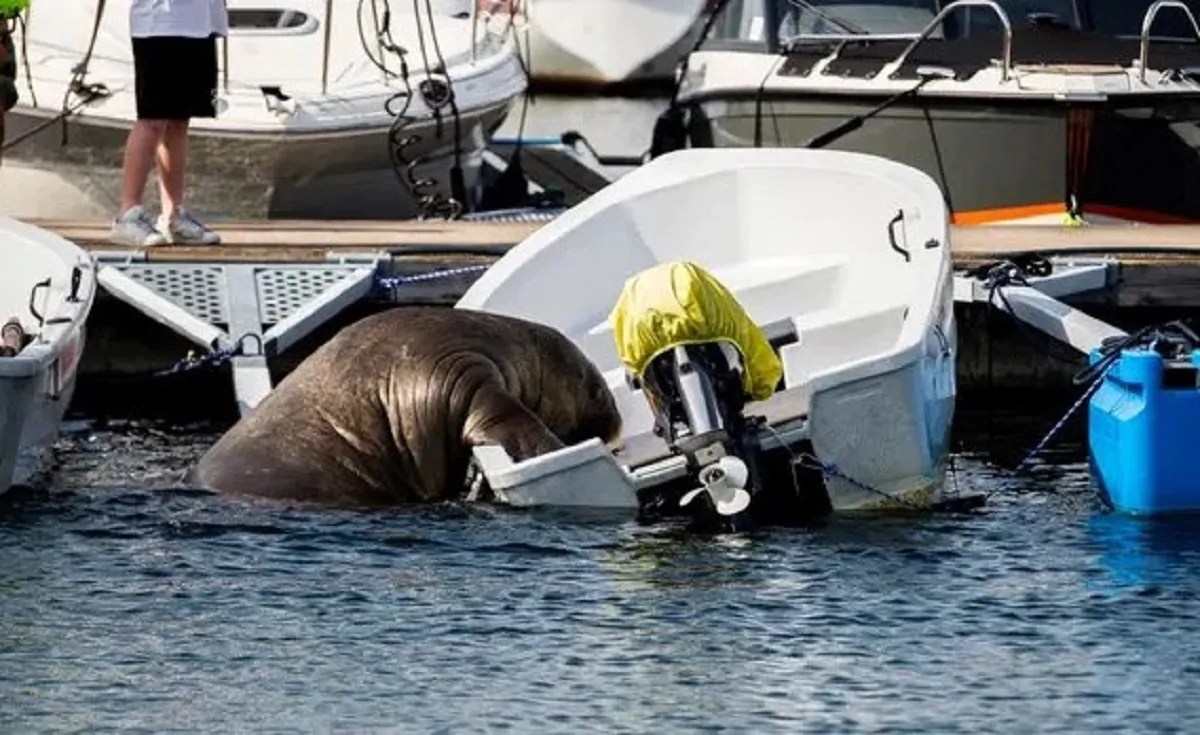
{"x":134,"y":225}
{"x":175,"y":81}
{"x":172,"y":162}
{"x":143,"y":141}
{"x":196,"y":89}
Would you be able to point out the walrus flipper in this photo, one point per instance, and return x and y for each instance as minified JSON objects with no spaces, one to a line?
{"x":498,"y":418}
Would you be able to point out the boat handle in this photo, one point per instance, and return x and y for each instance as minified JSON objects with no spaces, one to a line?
{"x":41,"y":320}
{"x":54,"y":391}
{"x":76,"y":280}
{"x":892,"y":236}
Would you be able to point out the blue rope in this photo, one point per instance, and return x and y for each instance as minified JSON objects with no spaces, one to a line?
{"x":1087,"y":394}
{"x":828,"y":470}
{"x":520,"y":214}
{"x":832,"y":470}
{"x":212,"y":358}
{"x":393,"y":282}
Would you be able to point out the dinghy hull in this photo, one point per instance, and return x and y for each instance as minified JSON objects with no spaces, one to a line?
{"x":31,"y":412}
{"x":48,"y":289}
{"x":841,"y":259}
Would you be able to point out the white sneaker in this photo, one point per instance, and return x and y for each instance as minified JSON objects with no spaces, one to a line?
{"x":185,"y":229}
{"x":135,"y":227}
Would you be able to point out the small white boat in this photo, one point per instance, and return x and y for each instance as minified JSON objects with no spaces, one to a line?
{"x":47,"y":284}
{"x":573,"y":44}
{"x":843,"y":261}
{"x":308,"y":100}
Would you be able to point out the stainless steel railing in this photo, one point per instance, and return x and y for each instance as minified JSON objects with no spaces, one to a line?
{"x":1148,"y":20}
{"x":1006,"y":59}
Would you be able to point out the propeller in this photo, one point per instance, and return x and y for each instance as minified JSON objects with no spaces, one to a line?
{"x":725,"y":482}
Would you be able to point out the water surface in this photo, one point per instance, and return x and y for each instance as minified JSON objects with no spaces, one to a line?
{"x":124,"y":605}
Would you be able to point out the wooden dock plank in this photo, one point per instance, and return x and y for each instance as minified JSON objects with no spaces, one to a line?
{"x":323,"y":235}
{"x":309,"y":240}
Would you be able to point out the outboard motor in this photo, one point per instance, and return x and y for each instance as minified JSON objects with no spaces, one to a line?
{"x":699,"y":358}
{"x":697,"y":395}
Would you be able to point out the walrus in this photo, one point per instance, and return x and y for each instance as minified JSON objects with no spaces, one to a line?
{"x":387,"y":412}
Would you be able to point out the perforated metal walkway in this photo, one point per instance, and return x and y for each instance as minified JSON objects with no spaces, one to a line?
{"x":250,"y":310}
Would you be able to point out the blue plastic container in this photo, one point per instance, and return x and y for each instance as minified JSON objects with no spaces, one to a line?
{"x":1144,"y":433}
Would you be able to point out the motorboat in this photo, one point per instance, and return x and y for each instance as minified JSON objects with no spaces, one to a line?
{"x":1029,"y":111}
{"x":574,"y":46}
{"x":841,"y":259}
{"x":367,"y":109}
{"x":47,"y":285}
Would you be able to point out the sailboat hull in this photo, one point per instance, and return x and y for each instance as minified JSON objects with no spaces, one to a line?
{"x":345,"y":174}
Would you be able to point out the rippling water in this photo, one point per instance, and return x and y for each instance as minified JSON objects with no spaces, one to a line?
{"x":126,"y":606}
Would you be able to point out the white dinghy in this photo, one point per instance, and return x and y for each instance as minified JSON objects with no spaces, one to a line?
{"x":47,"y":285}
{"x":317,"y":117}
{"x":841,"y":259}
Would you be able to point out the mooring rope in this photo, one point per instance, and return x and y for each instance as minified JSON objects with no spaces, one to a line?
{"x":828,"y":470}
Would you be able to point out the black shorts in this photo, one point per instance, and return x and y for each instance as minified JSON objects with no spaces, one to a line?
{"x":175,"y":78}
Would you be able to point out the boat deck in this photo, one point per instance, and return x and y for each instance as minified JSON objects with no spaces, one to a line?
{"x":781,"y":409}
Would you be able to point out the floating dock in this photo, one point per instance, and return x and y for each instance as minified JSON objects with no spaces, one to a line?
{"x":274,"y":290}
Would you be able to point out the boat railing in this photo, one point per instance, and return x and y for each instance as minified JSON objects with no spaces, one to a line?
{"x":845,"y":37}
{"x":915,"y":39}
{"x":1006,"y":59}
{"x":325,"y":47}
{"x":1148,"y":21}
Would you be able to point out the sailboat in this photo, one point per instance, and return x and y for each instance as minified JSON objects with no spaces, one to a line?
{"x":325,"y":110}
{"x":594,"y":44}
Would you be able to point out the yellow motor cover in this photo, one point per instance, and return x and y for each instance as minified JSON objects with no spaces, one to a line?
{"x":679,"y":303}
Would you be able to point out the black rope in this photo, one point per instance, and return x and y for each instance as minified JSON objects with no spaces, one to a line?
{"x":87,"y":93}
{"x":213,"y":358}
{"x":1171,"y":340}
{"x":1016,"y":272}
{"x":457,"y":184}
{"x":79,"y":73}
{"x":430,"y":202}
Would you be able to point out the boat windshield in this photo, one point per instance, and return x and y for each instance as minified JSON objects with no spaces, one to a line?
{"x":767,"y":25}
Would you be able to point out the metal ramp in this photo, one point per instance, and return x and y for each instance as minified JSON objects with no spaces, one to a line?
{"x":1034,"y":299}
{"x":249,"y":311}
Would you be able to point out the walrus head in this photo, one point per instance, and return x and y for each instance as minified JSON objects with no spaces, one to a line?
{"x":573,"y":402}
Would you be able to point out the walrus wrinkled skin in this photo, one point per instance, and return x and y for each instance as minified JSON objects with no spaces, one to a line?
{"x":388,"y":410}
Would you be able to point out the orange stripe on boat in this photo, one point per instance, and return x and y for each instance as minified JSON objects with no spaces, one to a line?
{"x":1000,"y":214}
